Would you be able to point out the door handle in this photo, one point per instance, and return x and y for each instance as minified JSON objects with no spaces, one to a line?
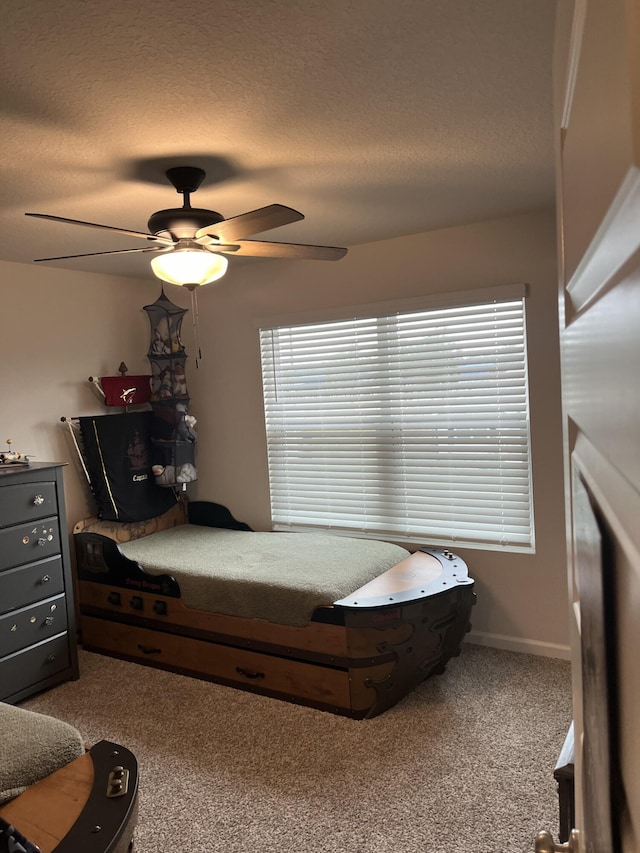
{"x":149,"y":650}
{"x":249,"y":673}
{"x":545,"y":843}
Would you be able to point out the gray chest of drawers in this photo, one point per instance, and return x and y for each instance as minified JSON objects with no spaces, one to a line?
{"x":38,"y":645}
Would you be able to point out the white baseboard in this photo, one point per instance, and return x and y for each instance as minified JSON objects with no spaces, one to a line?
{"x":517,"y":644}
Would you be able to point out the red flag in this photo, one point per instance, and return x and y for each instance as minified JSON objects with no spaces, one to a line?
{"x":125,"y":390}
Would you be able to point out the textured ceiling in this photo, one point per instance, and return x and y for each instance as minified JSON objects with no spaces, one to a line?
{"x":374,"y":119}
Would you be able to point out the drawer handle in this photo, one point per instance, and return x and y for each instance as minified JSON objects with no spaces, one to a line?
{"x":38,"y":500}
{"x":45,"y":578}
{"x":48,"y":621}
{"x":51,"y":658}
{"x":149,"y":650}
{"x":249,"y":673}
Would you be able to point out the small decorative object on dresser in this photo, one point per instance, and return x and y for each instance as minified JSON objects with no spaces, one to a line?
{"x":38,"y":644}
{"x":12,"y":457}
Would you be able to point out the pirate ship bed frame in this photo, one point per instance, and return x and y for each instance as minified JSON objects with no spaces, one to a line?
{"x":356,"y":656}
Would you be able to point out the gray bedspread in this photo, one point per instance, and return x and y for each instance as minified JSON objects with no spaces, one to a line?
{"x":278,"y":577}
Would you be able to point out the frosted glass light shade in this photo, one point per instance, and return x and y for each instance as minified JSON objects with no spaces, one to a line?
{"x":189,"y":266}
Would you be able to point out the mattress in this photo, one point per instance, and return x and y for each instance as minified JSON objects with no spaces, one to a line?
{"x":276,"y":577}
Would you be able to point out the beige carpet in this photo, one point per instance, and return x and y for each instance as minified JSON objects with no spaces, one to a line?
{"x":463,"y":765}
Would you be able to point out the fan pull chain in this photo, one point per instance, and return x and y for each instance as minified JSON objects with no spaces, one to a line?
{"x":196,"y":323}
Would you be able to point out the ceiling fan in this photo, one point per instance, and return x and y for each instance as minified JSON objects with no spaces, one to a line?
{"x":190,"y":243}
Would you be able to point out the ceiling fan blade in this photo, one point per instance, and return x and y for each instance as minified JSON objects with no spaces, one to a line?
{"x":164,"y":240}
{"x":253,"y":222}
{"x":259,"y":249}
{"x":226,"y":248}
{"x":114,"y":252}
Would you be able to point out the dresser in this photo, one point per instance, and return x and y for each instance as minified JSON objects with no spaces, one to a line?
{"x":38,"y":643}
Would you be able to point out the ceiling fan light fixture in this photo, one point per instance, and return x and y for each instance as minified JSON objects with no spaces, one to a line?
{"x":189,"y":267}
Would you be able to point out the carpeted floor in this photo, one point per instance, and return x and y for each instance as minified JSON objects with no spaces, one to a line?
{"x":465,"y":763}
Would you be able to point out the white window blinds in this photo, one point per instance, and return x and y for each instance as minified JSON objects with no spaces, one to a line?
{"x":412,"y":426}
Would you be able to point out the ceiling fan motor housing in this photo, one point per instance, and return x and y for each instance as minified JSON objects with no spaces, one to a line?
{"x":181,"y":222}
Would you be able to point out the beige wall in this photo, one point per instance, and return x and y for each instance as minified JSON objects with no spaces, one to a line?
{"x":76,"y":324}
{"x":522,"y":599}
{"x":59,"y":328}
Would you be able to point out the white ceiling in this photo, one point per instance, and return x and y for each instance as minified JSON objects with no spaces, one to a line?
{"x":375,"y":119}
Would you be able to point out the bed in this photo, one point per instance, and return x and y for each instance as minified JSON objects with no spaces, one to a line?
{"x":338,"y":623}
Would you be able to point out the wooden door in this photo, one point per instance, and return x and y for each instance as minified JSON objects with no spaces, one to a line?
{"x":597,"y":80}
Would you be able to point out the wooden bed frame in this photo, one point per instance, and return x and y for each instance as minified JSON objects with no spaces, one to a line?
{"x":89,"y":805}
{"x":356,"y":657}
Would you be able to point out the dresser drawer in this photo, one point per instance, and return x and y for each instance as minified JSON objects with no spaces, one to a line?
{"x":28,"y":584}
{"x":29,"y":625}
{"x":27,"y":502}
{"x":35,"y":664}
{"x":27,"y":543}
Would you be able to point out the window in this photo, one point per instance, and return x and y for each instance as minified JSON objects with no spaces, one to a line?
{"x":412,"y":426}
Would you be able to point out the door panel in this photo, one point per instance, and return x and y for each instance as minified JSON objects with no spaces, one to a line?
{"x":595,"y":664}
{"x":598,"y":194}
